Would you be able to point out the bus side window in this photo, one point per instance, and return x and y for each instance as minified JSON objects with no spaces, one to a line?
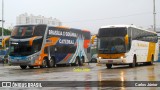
{"x":129,"y":38}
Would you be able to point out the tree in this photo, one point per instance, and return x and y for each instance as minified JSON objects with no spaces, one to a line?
{"x":6,"y":32}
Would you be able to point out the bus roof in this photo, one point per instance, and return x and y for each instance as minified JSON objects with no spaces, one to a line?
{"x":127,"y":26}
{"x":25,"y":24}
{"x":114,"y":26}
{"x":64,"y":27}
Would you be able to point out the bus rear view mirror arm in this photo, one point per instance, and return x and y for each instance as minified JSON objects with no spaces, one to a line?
{"x":126,"y":39}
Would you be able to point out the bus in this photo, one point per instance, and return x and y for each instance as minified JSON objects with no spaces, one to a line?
{"x":4,"y":45}
{"x":126,"y":44}
{"x":47,"y":46}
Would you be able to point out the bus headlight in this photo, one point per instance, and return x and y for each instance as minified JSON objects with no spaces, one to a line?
{"x":100,"y":57}
{"x":122,"y":57}
{"x":30,"y":58}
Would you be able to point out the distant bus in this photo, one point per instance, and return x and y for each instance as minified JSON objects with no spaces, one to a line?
{"x":126,"y":44}
{"x":46,"y":46}
{"x":4,"y":45}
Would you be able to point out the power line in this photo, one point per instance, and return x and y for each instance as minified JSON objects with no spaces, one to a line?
{"x":100,"y":19}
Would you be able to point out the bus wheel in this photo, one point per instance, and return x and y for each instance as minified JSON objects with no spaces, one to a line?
{"x":51,"y":62}
{"x":134,"y":62}
{"x":78,"y":62}
{"x":23,"y":66}
{"x":44,"y":63}
{"x":83,"y":59}
{"x":31,"y":67}
{"x":109,"y":66}
{"x":151,"y":62}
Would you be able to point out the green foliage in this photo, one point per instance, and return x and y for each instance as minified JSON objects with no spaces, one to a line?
{"x":6,"y":32}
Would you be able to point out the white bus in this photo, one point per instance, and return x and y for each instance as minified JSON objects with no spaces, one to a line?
{"x":126,"y":44}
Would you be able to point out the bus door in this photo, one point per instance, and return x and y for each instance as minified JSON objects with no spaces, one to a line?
{"x":51,"y":50}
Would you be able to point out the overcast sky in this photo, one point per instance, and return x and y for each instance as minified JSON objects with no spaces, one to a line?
{"x":85,"y":14}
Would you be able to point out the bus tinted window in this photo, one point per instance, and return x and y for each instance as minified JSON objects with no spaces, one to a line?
{"x":66,"y":49}
{"x":142,"y":35}
{"x":112,"y":32}
{"x":40,"y":30}
{"x":26,"y":30}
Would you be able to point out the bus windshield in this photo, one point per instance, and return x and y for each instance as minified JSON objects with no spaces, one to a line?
{"x":111,"y":40}
{"x":26,"y":30}
{"x":111,"y":45}
{"x":23,"y":49}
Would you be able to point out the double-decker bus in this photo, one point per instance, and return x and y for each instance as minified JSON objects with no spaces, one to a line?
{"x":4,"y":45}
{"x":126,"y":44}
{"x":47,"y":46}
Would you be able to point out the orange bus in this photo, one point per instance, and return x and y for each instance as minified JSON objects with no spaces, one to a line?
{"x":47,"y":46}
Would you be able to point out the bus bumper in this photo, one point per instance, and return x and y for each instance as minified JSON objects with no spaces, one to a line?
{"x":112,"y":61}
{"x":19,"y":61}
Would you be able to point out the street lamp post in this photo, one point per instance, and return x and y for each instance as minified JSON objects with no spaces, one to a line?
{"x":154,"y":16}
{"x":2,"y":19}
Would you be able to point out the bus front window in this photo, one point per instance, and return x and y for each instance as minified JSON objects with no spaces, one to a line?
{"x":20,"y":50}
{"x":22,"y":31}
{"x":24,"y":48}
{"x":111,"y":45}
{"x":111,"y":40}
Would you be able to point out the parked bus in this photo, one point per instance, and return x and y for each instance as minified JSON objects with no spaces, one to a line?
{"x":126,"y":44}
{"x":4,"y":44}
{"x":46,"y":46}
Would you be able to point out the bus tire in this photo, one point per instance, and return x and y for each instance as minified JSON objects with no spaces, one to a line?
{"x":23,"y":66}
{"x":51,"y":62}
{"x":132,"y":65}
{"x":31,"y":67}
{"x":78,"y":61}
{"x":109,"y":66}
{"x":83,"y":59}
{"x":151,"y":62}
{"x":44,"y":63}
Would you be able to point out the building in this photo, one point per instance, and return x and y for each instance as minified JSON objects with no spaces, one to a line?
{"x":31,"y":19}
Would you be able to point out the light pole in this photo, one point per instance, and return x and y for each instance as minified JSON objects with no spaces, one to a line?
{"x":2,"y":18}
{"x":154,"y":16}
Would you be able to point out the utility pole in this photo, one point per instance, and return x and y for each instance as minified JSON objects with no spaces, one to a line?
{"x":154,"y":16}
{"x":2,"y":19}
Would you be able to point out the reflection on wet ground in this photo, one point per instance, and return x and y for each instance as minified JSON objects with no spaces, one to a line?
{"x":95,"y":73}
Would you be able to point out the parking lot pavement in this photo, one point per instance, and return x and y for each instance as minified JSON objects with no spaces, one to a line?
{"x":91,"y":72}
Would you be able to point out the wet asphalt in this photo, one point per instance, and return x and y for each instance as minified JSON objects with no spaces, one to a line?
{"x":97,"y":73}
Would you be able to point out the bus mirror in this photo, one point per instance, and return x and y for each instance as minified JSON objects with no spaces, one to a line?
{"x":92,"y":39}
{"x":126,"y":39}
{"x":3,"y":43}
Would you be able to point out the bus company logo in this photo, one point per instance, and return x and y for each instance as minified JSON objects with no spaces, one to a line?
{"x":6,"y":84}
{"x":142,"y":45}
{"x":21,"y":84}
